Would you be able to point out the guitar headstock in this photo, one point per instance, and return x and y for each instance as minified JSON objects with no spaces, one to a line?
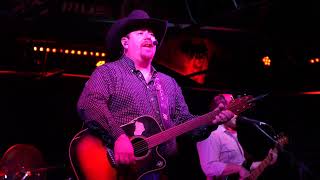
{"x":241,"y":104}
{"x":281,"y":140}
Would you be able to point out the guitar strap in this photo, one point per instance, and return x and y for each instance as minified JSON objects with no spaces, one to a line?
{"x":163,"y":103}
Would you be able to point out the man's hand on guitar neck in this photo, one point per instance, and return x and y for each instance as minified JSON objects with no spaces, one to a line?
{"x":273,"y":154}
{"x":123,"y":150}
{"x":223,"y":115}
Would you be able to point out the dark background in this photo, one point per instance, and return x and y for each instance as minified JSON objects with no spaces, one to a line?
{"x":42,"y":110}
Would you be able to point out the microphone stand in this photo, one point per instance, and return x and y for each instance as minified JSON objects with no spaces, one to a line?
{"x":265,"y":133}
{"x":303,"y":170}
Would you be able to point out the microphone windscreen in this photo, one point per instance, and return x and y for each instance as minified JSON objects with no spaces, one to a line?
{"x":155,"y":43}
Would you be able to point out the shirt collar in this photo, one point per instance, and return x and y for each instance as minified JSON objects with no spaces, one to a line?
{"x":223,"y":129}
{"x":129,"y":62}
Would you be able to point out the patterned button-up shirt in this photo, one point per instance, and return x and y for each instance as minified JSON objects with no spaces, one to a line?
{"x":117,"y":92}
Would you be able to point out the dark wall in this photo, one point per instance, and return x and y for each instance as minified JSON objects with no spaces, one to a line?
{"x":41,"y":113}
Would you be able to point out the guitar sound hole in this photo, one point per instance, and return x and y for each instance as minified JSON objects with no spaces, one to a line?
{"x":140,"y":147}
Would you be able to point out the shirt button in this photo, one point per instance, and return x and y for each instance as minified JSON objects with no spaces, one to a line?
{"x":152,"y":99}
{"x":147,"y":87}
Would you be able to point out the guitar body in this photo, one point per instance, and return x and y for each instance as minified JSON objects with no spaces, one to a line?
{"x":94,"y":159}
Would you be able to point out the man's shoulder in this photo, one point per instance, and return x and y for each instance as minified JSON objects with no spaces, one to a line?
{"x":107,"y":70}
{"x":112,"y":64}
{"x":215,"y":136}
{"x":108,"y":66}
{"x":218,"y":132}
{"x":165,"y":77}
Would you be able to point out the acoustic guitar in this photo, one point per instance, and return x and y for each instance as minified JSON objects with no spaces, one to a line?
{"x":146,"y":136}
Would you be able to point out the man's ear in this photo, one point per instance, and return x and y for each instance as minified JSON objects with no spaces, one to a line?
{"x":124,"y":42}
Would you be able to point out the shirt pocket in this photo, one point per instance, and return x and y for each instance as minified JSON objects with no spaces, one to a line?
{"x":229,"y":152}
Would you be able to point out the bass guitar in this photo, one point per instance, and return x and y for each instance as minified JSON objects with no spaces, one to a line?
{"x":255,"y":173}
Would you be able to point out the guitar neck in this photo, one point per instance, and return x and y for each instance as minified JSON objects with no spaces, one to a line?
{"x":180,"y":129}
{"x":267,"y":161}
{"x":237,"y":106}
{"x":262,"y":166}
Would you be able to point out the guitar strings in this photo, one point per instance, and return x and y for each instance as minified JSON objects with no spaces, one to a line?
{"x":142,"y":145}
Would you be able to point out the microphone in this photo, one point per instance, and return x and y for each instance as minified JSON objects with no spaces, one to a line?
{"x":155,"y":42}
{"x":252,"y":121}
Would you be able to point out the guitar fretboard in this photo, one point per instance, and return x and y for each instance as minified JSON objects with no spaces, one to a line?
{"x":256,"y":172}
{"x":179,"y":129}
{"x":238,"y":106}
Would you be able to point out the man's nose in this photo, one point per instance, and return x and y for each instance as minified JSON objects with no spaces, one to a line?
{"x":147,"y":35}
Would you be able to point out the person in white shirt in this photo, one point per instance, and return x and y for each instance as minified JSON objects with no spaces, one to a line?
{"x":221,"y":154}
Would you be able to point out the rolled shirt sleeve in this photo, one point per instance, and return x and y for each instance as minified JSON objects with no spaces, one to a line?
{"x":209,"y":153}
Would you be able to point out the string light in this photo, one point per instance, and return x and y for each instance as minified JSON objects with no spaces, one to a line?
{"x":314,"y":60}
{"x":67,"y":51}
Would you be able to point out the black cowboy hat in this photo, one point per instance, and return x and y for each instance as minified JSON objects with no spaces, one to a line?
{"x":136,"y":19}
